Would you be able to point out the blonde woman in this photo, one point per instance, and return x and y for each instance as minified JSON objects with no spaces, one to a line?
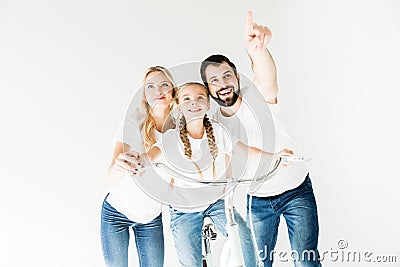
{"x":126,"y":206}
{"x":204,"y":149}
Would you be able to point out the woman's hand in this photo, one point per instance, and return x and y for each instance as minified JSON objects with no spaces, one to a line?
{"x":127,"y":163}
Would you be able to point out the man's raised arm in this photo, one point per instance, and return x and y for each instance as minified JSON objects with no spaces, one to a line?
{"x":262,"y":63}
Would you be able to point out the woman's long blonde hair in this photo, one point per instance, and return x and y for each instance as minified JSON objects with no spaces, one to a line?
{"x":147,"y":123}
{"x":183,"y":133}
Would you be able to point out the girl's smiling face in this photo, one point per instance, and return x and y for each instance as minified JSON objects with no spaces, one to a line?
{"x":193,"y":101}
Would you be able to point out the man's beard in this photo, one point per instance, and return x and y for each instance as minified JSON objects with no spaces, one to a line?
{"x":228,"y":102}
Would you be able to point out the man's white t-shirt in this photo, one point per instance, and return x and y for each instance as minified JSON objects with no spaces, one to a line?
{"x":172,"y":155}
{"x":255,"y":125}
{"x":126,"y":196}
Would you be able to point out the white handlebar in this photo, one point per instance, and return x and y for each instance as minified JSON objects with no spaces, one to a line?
{"x":270,"y":174}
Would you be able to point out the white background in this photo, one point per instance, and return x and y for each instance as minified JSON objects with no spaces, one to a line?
{"x":68,"y":70}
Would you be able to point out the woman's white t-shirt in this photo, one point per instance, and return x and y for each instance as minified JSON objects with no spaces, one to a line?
{"x":126,"y":196}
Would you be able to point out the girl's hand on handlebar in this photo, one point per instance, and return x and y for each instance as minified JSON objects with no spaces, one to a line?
{"x":283,"y":153}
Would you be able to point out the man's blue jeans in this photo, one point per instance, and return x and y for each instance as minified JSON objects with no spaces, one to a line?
{"x":187,"y":228}
{"x":299,"y":209}
{"x":149,"y":239}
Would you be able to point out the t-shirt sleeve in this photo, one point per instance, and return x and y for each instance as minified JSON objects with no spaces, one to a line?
{"x":128,"y":132}
{"x":229,"y":140}
{"x":163,"y":140}
{"x":162,"y":157}
{"x":233,"y":140}
{"x":158,"y":144}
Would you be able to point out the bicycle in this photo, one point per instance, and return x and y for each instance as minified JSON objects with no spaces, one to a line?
{"x":231,"y":254}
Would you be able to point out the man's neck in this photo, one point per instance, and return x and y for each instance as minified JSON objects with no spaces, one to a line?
{"x":230,"y":111}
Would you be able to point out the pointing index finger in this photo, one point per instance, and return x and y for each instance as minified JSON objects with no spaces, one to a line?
{"x":249,"y":23}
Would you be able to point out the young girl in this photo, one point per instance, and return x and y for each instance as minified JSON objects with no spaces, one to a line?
{"x":199,"y":149}
{"x":126,"y":205}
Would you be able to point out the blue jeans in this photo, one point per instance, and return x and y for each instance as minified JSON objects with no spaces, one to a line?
{"x":149,"y":239}
{"x":299,"y":209}
{"x":187,"y":229}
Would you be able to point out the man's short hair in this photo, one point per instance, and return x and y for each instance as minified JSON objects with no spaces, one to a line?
{"x":214,"y":60}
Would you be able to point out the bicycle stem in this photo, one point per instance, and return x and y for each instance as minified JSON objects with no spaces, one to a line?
{"x":229,"y":201}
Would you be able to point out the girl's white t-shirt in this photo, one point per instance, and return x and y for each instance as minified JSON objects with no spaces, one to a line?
{"x":172,"y":156}
{"x":126,"y":196}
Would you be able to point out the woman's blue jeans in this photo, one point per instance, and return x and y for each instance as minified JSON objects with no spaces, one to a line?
{"x":149,"y":239}
{"x":187,"y":229}
{"x":299,"y":209}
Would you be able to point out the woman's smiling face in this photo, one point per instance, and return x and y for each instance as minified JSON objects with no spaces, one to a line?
{"x":158,"y":89}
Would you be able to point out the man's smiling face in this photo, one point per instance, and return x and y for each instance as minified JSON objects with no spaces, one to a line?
{"x":223,"y":84}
